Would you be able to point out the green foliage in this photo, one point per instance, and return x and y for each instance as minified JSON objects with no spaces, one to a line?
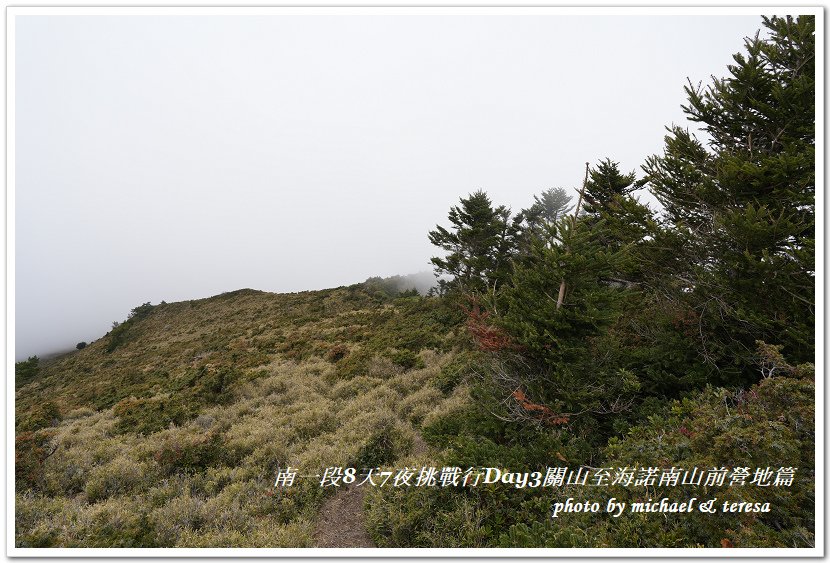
{"x":425,"y":517}
{"x":385,"y":445}
{"x":202,"y":387}
{"x":353,"y":365}
{"x":740,"y":212}
{"x":478,"y":246}
{"x":146,"y":416}
{"x":466,"y":517}
{"x":212,"y":385}
{"x":141,"y":312}
{"x":30,"y":452}
{"x":454,"y":373}
{"x":182,"y":453}
{"x":530,"y":302}
{"x":26,"y":371}
{"x":605,"y":185}
{"x":407,"y":359}
{"x":121,"y":332}
{"x":769,"y":425}
{"x":43,"y":415}
{"x":566,"y":358}
{"x":120,"y":477}
{"x":548,"y":208}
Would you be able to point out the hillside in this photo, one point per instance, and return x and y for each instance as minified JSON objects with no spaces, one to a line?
{"x":169,"y":430}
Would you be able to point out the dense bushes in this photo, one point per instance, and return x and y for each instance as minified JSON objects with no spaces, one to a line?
{"x":25,"y":371}
{"x":145,"y":416}
{"x":189,"y":453}
{"x":31,"y":449}
{"x":770,"y":425}
{"x":121,"y":332}
{"x":41,"y":416}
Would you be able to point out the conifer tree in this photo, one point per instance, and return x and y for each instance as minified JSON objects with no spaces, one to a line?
{"x":605,"y":184}
{"x":739,"y":208}
{"x":627,"y":222}
{"x":548,"y":207}
{"x":477,"y":246}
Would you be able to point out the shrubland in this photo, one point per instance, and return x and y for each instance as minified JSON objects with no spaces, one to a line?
{"x":174,"y":437}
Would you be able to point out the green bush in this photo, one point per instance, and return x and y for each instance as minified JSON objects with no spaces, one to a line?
{"x":455,"y":372}
{"x":211,"y":385}
{"x":117,"y":336}
{"x":120,"y":476}
{"x":30,"y":452}
{"x":353,"y":365}
{"x":40,"y":416}
{"x":26,"y":371}
{"x":189,"y":454}
{"x":146,"y":416}
{"x":769,"y":425}
{"x":120,"y":333}
{"x":407,"y":359}
{"x":383,"y":446}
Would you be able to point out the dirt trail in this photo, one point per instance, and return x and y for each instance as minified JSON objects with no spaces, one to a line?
{"x":419,"y":447}
{"x":341,"y":522}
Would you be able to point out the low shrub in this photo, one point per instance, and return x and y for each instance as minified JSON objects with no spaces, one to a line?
{"x":353,"y":365}
{"x":120,"y":476}
{"x":30,"y":452}
{"x":26,"y":371}
{"x":146,"y":416}
{"x":189,"y":453}
{"x":337,"y":353}
{"x":40,"y":416}
{"x":455,"y":372}
{"x":407,"y":359}
{"x":386,"y":444}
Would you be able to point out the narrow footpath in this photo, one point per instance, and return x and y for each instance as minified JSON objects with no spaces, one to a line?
{"x":341,"y":522}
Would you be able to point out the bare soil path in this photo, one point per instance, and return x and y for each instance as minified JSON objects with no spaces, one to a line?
{"x":341,"y":522}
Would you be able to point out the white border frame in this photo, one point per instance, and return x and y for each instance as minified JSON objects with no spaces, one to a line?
{"x":12,"y":551}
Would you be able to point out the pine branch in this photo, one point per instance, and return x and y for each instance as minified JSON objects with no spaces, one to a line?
{"x":561,"y":297}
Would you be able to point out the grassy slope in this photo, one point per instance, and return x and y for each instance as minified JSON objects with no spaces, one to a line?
{"x":174,"y":435}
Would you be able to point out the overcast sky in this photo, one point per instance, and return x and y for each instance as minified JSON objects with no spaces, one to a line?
{"x":173,"y":158}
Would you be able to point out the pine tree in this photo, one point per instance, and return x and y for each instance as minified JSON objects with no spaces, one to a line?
{"x":548,"y":207}
{"x":605,"y":185}
{"x":739,"y":209}
{"x":627,"y":222}
{"x":559,"y":358}
{"x":478,"y":246}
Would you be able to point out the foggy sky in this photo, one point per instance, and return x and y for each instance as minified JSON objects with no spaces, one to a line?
{"x":173,"y":158}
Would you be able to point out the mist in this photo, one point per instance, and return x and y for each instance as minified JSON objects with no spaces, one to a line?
{"x":179,"y":157}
